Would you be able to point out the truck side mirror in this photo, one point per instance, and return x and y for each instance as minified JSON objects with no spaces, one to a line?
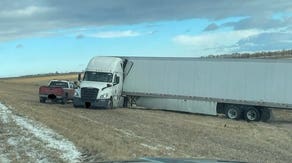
{"x":76,"y":84}
{"x":108,"y":85}
{"x":79,"y":77}
{"x":116,"y":80}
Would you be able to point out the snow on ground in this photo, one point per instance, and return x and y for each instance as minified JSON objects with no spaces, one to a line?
{"x":4,"y":111}
{"x":39,"y":135}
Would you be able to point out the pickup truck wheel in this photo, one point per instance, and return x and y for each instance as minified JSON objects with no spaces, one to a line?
{"x":233,"y":112}
{"x":252,"y":114}
{"x":42,"y":100}
{"x":64,"y":101}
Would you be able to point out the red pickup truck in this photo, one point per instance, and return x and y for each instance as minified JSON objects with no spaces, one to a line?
{"x":57,"y":91}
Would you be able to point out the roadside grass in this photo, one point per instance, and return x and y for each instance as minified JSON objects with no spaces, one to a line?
{"x":121,"y":134}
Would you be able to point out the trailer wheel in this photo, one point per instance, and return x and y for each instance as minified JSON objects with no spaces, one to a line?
{"x":252,"y":114}
{"x":233,"y":112}
{"x":265,"y":114}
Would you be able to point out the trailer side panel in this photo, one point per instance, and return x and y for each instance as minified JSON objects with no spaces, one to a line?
{"x":191,"y":106}
{"x":259,"y":81}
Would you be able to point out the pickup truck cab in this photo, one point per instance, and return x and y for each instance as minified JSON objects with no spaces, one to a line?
{"x":57,"y":91}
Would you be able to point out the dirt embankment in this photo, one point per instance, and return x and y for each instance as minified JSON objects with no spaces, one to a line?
{"x":132,"y":133}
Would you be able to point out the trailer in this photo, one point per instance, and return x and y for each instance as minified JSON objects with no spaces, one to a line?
{"x":238,"y":88}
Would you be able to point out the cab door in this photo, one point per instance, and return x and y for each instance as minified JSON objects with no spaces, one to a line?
{"x":117,"y":89}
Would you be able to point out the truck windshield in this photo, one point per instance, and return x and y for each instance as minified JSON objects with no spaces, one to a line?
{"x":98,"y":76}
{"x":59,"y":84}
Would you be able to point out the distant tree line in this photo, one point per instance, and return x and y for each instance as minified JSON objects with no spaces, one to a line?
{"x":269,"y":54}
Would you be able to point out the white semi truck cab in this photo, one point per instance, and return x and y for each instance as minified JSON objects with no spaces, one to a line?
{"x":102,"y":84}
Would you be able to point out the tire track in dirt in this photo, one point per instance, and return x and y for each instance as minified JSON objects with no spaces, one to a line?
{"x":145,"y":141}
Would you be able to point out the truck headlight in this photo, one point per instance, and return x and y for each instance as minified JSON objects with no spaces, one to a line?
{"x":104,"y":96}
{"x":77,"y":93}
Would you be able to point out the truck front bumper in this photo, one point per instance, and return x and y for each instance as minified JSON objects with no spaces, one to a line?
{"x":98,"y":103}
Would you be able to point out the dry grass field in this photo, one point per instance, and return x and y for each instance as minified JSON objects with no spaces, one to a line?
{"x":123,"y":133}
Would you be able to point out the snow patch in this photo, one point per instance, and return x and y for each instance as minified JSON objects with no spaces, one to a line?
{"x":4,"y":112}
{"x":157,"y":147}
{"x":149,"y":146}
{"x":129,"y":133}
{"x":55,"y":141}
{"x":52,"y":140}
{"x":4,"y":159}
{"x":166,"y":147}
{"x":13,"y":141}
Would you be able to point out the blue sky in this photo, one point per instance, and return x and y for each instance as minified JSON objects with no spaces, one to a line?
{"x":49,"y":36}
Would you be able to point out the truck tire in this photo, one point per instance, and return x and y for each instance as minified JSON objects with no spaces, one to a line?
{"x":110,"y":104}
{"x":64,"y":101}
{"x":252,"y":114}
{"x":233,"y":112}
{"x":42,"y":99}
{"x":265,"y":114}
{"x":76,"y":105}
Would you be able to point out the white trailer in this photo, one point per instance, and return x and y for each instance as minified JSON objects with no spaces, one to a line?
{"x":235,"y":87}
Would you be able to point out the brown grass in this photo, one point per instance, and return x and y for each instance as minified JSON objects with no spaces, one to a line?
{"x":133,"y":133}
{"x":40,"y":79}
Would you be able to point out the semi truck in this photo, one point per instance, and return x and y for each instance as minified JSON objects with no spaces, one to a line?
{"x":239,"y":88}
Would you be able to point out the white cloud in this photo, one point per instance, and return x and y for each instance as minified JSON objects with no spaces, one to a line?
{"x":215,"y":42}
{"x":24,"y":12}
{"x":272,"y":40}
{"x":116,"y":34}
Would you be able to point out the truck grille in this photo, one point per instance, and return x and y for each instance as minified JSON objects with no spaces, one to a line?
{"x":89,"y":94}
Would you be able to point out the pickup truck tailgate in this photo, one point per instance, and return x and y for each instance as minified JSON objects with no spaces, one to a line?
{"x":45,"y":90}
